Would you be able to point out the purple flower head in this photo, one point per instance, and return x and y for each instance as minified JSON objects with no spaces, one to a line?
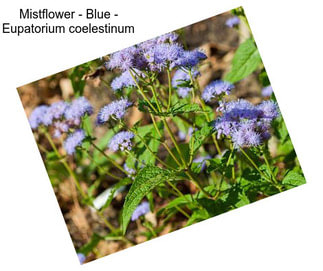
{"x":142,"y":209}
{"x":233,"y":21}
{"x":248,"y":125}
{"x":189,"y":58}
{"x":81,"y":257}
{"x":201,"y":160}
{"x":121,"y":141}
{"x":124,"y":59}
{"x":123,"y":81}
{"x":131,"y":172}
{"x":162,"y":55}
{"x":269,"y":109}
{"x":60,"y":127}
{"x":182,"y":76}
{"x":73,"y":140}
{"x":169,"y":37}
{"x":267,"y":91}
{"x":116,"y":109}
{"x":216,"y":89}
{"x":37,"y":116}
{"x":77,"y":109}
{"x":55,"y":111}
{"x":183,"y":92}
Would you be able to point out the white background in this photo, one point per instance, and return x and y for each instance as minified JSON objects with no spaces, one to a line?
{"x":283,"y":232}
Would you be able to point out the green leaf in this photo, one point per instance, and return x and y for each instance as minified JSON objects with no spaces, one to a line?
{"x":245,"y":61}
{"x":199,"y":136}
{"x":293,"y":179}
{"x":197,"y":216}
{"x":185,"y":151}
{"x":87,"y":248}
{"x":146,"y":180}
{"x":151,"y":137}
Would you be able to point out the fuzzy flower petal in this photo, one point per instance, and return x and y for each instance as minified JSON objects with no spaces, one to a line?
{"x":141,"y":209}
{"x":77,"y":109}
{"x":121,"y":141}
{"x":55,"y":111}
{"x":267,"y":91}
{"x":123,"y":81}
{"x":116,"y":109}
{"x":73,"y":140}
{"x":216,"y":89}
{"x":37,"y":116}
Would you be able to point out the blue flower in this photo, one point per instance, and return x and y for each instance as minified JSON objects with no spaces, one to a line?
{"x":189,"y":59}
{"x":162,"y":55}
{"x":131,"y":172}
{"x":54,"y":111}
{"x":121,"y":141}
{"x":60,"y":127}
{"x":37,"y":116}
{"x":181,"y":135}
{"x":116,"y":110}
{"x":216,"y":89}
{"x":247,"y":125}
{"x":233,"y":21}
{"x":123,"y":81}
{"x":124,"y":59}
{"x":267,"y":91}
{"x":81,"y":257}
{"x":183,"y":92}
{"x":141,"y":209}
{"x":73,"y":140}
{"x":78,"y":109}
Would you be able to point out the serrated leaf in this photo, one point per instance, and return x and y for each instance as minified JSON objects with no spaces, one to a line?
{"x":146,"y":180}
{"x":293,"y":179}
{"x":245,"y":61}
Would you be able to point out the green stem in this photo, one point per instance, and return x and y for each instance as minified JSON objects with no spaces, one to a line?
{"x":169,"y":90}
{"x":108,"y":158}
{"x":65,"y":164}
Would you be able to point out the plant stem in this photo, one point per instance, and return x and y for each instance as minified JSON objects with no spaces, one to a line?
{"x":111,"y":160}
{"x":169,"y":90}
{"x":66,"y":165}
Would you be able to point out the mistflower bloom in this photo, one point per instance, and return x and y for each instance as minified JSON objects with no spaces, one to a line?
{"x":216,"y":89}
{"x":55,"y":111}
{"x":142,"y":209}
{"x":123,"y":81}
{"x":74,"y":140}
{"x":77,"y":109}
{"x":81,"y":257}
{"x":183,"y":92}
{"x":162,"y":55}
{"x":37,"y":116}
{"x":116,"y":110}
{"x":182,"y":76}
{"x":189,"y":58}
{"x":60,"y":127}
{"x":269,"y":109}
{"x":267,"y":91}
{"x":169,"y":37}
{"x":233,"y":21}
{"x":248,"y":125}
{"x":124,"y":59}
{"x":201,"y":160}
{"x":121,"y":141}
{"x":131,"y":172}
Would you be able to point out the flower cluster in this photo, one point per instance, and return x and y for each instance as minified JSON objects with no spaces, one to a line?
{"x":216,"y":89}
{"x":115,"y":110}
{"x":152,"y":55}
{"x":141,"y":209}
{"x":248,"y":125}
{"x":63,"y":117}
{"x":73,"y":140}
{"x":121,"y":141}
